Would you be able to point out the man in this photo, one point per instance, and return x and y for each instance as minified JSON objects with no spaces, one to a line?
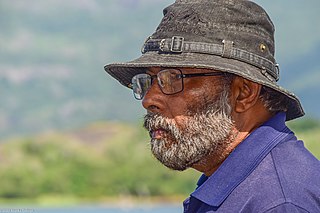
{"x":208,"y":80}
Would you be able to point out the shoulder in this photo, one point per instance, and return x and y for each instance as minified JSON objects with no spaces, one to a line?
{"x":293,"y":163}
{"x":298,"y":173}
{"x":293,"y":153}
{"x":287,"y":178}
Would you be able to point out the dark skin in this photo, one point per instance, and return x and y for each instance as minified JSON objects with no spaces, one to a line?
{"x":248,"y":111}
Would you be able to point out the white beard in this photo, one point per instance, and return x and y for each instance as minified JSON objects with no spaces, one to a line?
{"x":202,"y":134}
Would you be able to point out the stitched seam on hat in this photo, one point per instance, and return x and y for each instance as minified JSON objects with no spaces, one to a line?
{"x":215,"y":49}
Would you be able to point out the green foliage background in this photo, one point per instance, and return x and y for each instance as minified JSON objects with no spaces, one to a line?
{"x":97,"y":162}
{"x":103,"y":160}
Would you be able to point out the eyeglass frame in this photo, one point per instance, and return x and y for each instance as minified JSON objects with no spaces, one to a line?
{"x":181,"y":75}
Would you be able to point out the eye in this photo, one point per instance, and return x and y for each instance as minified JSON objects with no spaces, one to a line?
{"x":161,"y":82}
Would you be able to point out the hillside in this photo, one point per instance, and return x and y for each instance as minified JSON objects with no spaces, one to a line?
{"x":98,"y":162}
{"x":52,"y":55}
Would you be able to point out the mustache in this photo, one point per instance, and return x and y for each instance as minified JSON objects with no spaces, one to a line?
{"x":153,"y":121}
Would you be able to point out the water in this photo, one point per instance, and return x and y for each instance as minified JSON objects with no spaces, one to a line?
{"x":97,"y":209}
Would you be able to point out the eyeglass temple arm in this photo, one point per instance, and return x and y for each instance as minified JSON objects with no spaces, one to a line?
{"x":190,"y":75}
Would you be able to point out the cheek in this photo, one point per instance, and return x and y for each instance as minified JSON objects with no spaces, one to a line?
{"x":193,"y":98}
{"x":181,"y":121}
{"x":179,"y":106}
{"x":201,"y":95}
{"x":205,"y":86}
{"x":193,"y":93}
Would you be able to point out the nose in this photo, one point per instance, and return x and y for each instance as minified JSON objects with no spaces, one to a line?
{"x":153,"y":100}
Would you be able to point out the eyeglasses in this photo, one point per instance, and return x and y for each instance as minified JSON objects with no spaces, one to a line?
{"x":170,"y":81}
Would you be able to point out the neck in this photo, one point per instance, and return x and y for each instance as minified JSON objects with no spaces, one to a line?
{"x":239,"y":133}
{"x":212,"y":162}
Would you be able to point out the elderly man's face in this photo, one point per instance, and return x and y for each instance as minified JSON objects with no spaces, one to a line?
{"x":188,"y":126}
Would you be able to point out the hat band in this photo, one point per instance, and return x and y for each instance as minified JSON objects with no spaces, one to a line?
{"x":177,"y":45}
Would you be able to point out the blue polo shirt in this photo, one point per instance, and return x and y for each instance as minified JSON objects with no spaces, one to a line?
{"x":270,"y":171}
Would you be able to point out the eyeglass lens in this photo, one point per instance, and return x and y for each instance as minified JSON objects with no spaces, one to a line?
{"x":140,"y":85}
{"x":169,"y":80}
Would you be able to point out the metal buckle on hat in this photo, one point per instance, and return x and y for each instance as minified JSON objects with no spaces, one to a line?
{"x":161,"y":45}
{"x":177,"y":44}
{"x":227,"y":48}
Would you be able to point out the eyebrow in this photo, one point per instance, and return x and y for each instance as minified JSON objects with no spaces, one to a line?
{"x":151,"y":72}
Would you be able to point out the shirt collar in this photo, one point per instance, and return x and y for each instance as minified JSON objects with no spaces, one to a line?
{"x":242,"y":161}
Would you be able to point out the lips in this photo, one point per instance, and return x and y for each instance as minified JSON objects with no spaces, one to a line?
{"x":157,"y":133}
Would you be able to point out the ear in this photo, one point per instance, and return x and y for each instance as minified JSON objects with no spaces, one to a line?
{"x":245,"y":94}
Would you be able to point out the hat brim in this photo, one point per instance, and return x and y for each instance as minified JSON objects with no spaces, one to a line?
{"x":124,"y":72}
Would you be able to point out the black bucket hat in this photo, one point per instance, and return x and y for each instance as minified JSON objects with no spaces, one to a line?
{"x":234,"y":36}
